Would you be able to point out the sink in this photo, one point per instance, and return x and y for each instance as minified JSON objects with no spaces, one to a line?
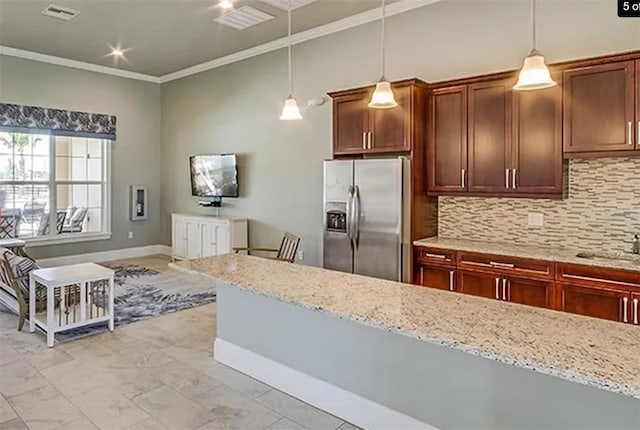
{"x":609,"y":256}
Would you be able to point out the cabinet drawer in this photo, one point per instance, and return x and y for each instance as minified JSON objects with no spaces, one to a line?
{"x":506,"y":265}
{"x":445,"y":257}
{"x":597,"y":276}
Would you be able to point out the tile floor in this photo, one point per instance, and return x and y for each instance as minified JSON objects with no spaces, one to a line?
{"x":154,"y":374}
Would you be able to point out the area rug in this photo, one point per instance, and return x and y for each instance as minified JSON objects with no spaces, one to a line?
{"x":141,"y":293}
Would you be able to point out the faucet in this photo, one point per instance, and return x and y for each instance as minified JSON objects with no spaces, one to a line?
{"x":636,"y":245}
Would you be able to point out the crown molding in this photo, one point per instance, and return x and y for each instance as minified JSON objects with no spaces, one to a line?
{"x":371,"y":15}
{"x":44,"y":58}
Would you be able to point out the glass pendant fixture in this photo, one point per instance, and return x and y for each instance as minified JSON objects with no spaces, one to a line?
{"x":382,"y":97}
{"x":290,"y":110}
{"x":534,"y":74}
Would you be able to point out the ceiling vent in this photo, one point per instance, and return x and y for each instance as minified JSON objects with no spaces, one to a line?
{"x":244,"y":17}
{"x":284,"y":4}
{"x":60,"y":12}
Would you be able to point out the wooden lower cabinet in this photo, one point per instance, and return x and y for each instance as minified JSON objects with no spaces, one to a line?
{"x":479,"y":284}
{"x":441,"y":278}
{"x":635,"y":309}
{"x":610,"y":304}
{"x":529,"y":292}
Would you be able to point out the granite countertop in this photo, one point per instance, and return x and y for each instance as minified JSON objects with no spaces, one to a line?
{"x":559,"y":255}
{"x":589,"y":351}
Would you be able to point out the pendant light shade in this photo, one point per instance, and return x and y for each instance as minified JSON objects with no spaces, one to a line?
{"x":290,"y":110}
{"x":534,"y":74}
{"x":382,"y":97}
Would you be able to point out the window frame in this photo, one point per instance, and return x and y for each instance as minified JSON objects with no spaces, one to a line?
{"x":55,"y":239}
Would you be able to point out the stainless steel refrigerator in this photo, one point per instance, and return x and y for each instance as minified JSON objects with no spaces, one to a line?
{"x":363,"y":217}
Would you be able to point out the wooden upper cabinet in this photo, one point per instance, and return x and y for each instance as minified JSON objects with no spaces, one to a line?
{"x":637,"y":105}
{"x":391,"y":128}
{"x":599,"y":108}
{"x":489,"y":136}
{"x":536,"y":147}
{"x":350,"y":123}
{"x":358,"y":129}
{"x":447,"y":143}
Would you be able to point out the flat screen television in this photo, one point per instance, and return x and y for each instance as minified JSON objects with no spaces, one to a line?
{"x":214,"y":175}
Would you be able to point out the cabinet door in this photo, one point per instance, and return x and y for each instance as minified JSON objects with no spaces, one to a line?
{"x":603,"y":303}
{"x":192,"y":228}
{"x":223,"y":240}
{"x":179,"y":239}
{"x":637,"y":105}
{"x":350,"y":123}
{"x":489,"y":136}
{"x":207,"y":239}
{"x":529,"y":292}
{"x":479,"y":284}
{"x":599,"y":108}
{"x":391,"y":128}
{"x":442,"y":278}
{"x":447,"y":144}
{"x":537,"y":141}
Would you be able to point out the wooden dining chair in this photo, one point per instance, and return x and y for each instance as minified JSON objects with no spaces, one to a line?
{"x":286,"y":252}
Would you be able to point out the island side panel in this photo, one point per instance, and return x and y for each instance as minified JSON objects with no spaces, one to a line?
{"x":440,"y":386}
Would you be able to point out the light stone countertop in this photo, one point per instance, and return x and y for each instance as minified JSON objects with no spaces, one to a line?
{"x":559,"y":255}
{"x":586,"y":350}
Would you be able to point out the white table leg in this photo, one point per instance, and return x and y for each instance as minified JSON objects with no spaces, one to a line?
{"x":50,"y":316}
{"x":83,"y":301}
{"x":111,"y":303}
{"x":32,"y":304}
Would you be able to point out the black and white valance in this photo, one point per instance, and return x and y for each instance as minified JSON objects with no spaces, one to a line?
{"x":59,"y":122}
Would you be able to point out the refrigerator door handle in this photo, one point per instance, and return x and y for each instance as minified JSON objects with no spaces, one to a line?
{"x":350,"y":215}
{"x":356,"y":217}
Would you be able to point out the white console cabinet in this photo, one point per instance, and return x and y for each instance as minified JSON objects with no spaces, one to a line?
{"x":196,"y":236}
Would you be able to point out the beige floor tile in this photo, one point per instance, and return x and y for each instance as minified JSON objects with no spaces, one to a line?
{"x":73,"y":378}
{"x":81,"y":424}
{"x":238,"y":381}
{"x":109,"y":410}
{"x":19,"y":377}
{"x":130,"y":382}
{"x":42,"y":357}
{"x":299,"y":411}
{"x":44,"y":408}
{"x":6,"y":411}
{"x":285,"y":424}
{"x":232,"y":410}
{"x":200,"y":360}
{"x":173,"y":409}
{"x":184,"y":379}
{"x":144,"y":357}
{"x":8,"y":354}
{"x":14,"y":424}
{"x":151,"y":334}
{"x":148,"y":424}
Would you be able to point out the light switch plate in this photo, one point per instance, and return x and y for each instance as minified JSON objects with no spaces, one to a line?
{"x":536,"y":219}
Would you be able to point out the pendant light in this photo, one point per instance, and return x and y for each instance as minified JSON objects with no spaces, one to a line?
{"x":534,"y":74}
{"x":290,"y":109}
{"x":382,"y":97}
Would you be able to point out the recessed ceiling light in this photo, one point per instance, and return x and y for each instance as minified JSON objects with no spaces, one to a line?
{"x":225,"y":4}
{"x":116,"y":52}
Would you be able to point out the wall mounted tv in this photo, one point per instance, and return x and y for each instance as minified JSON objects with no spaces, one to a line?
{"x":214,"y":175}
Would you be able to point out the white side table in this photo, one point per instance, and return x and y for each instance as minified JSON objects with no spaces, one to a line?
{"x":83,"y":294}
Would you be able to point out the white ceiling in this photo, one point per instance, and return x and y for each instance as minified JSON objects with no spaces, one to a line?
{"x":159,"y":36}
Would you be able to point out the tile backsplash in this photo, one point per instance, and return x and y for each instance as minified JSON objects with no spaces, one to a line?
{"x":601,"y":211}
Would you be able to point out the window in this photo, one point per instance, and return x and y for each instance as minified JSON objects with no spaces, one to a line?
{"x":41,"y":172}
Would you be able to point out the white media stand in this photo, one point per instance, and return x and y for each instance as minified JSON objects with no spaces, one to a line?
{"x":196,"y":236}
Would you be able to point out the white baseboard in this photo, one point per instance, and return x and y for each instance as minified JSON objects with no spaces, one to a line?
{"x":116,"y":254}
{"x":323,"y":395}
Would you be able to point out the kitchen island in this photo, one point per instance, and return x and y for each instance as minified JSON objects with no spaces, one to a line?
{"x":383,"y":354}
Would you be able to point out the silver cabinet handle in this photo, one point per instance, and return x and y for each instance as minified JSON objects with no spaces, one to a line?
{"x":442,"y":257}
{"x":370,"y":142}
{"x":463,"y":174}
{"x":504,"y":289}
{"x":638,"y":135}
{"x":635,"y":311}
{"x":421,"y":275}
{"x":625,"y":308}
{"x":506,"y":178}
{"x":497,"y":288}
{"x":513,"y":178}
{"x":451,"y":282}
{"x":364,"y":140}
{"x":630,"y":133}
{"x":505,"y":265}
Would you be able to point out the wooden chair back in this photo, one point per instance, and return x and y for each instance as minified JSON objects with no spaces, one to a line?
{"x":288,"y":248}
